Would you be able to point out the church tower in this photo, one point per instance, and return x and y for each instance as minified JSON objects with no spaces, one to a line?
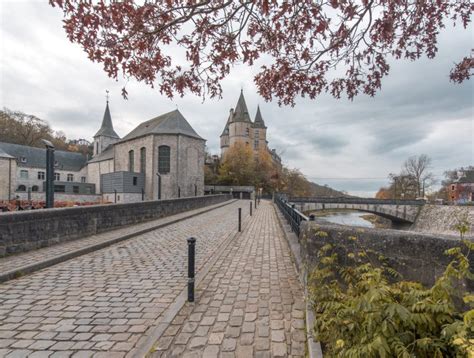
{"x":106,"y":134}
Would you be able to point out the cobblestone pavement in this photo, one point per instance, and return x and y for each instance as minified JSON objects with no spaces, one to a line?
{"x":102,"y":303}
{"x":250,"y":304}
{"x":15,"y":262}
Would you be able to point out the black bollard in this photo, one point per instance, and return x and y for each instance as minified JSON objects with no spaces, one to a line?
{"x":240,"y":219}
{"x":250,"y":207}
{"x":191,"y":261}
{"x":311,"y":217}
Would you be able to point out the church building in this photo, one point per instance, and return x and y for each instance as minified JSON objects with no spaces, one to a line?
{"x":161,"y":158}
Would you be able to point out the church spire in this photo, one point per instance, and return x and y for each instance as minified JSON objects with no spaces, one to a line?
{"x":107,"y":128}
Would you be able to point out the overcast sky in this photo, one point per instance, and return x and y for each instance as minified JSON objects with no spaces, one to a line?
{"x":350,"y":146}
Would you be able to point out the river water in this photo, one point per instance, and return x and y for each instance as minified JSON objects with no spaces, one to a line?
{"x":346,"y":218}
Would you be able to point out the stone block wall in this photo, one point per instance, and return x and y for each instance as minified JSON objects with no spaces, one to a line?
{"x":27,"y":230}
{"x":417,"y":256}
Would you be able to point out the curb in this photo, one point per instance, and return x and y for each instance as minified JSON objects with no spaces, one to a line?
{"x":314,"y":348}
{"x":21,"y":271}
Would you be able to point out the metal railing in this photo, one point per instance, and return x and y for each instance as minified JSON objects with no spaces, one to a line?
{"x":293,"y":216}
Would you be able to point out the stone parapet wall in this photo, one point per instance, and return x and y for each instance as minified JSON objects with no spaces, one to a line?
{"x":28,"y":230}
{"x":442,"y":219}
{"x":417,"y":256}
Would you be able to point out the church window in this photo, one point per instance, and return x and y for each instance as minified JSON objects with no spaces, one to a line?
{"x":70,"y":177}
{"x":164,"y":161}
{"x":142,"y":160}
{"x":24,"y":174}
{"x":131,"y":161}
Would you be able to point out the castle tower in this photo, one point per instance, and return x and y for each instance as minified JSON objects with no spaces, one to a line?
{"x":240,"y":126}
{"x":106,"y":134}
{"x":225,"y":134}
{"x":259,"y":132}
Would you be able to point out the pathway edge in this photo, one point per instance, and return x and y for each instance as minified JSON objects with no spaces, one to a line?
{"x":314,"y":347}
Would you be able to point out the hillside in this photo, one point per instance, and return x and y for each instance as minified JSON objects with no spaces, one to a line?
{"x":322,"y":190}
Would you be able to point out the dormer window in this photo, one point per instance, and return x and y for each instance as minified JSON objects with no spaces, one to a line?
{"x":56,"y":163}
{"x":23,"y":159}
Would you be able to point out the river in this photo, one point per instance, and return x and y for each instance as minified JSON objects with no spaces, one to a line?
{"x":353,"y":218}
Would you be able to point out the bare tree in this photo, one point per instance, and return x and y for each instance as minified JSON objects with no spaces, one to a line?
{"x":418,"y":168}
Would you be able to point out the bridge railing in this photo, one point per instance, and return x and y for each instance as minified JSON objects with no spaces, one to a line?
{"x":345,"y":200}
{"x":293,"y":216}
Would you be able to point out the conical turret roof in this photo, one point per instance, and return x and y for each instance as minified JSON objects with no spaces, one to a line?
{"x":241,"y":113}
{"x":107,"y":128}
{"x":259,"y":123}
{"x":226,"y":128}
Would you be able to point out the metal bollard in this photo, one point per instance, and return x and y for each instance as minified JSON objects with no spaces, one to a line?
{"x":240,"y":219}
{"x":250,"y":207}
{"x":311,"y":217}
{"x":255,"y":202}
{"x":191,"y":261}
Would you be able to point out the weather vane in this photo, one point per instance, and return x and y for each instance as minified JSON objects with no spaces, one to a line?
{"x":107,"y":96}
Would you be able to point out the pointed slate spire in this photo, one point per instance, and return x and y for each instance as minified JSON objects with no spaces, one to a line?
{"x":259,"y":123}
{"x":241,"y":113}
{"x":226,"y":128}
{"x":107,"y":129}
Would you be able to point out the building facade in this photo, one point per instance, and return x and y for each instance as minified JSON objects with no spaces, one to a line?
{"x":240,"y":128}
{"x":461,"y":190}
{"x":161,"y":158}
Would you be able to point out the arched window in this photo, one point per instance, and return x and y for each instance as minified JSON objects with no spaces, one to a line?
{"x":21,"y":188}
{"x":131,"y":162}
{"x":97,"y":148}
{"x":142,"y":160}
{"x":34,"y":188}
{"x":164,"y":161}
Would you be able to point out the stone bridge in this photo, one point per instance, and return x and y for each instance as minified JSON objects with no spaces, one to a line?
{"x":400,"y":212}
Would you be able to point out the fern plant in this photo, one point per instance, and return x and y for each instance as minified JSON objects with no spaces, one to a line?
{"x":361,"y":311}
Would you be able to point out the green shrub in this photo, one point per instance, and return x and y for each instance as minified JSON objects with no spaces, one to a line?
{"x":363,"y":309}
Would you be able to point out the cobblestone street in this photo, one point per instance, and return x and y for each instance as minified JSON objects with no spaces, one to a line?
{"x":102,"y":303}
{"x":249,"y":305}
{"x":106,"y":303}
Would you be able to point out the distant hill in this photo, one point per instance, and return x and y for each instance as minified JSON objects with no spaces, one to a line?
{"x":323,"y":190}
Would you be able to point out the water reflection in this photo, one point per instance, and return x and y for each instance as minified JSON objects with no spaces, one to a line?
{"x":353,"y":218}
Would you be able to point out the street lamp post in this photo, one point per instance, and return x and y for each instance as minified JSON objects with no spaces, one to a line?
{"x":49,"y":173}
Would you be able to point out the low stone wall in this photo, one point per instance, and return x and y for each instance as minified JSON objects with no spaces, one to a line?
{"x":441,"y":219}
{"x":28,"y":230}
{"x":417,"y":256}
